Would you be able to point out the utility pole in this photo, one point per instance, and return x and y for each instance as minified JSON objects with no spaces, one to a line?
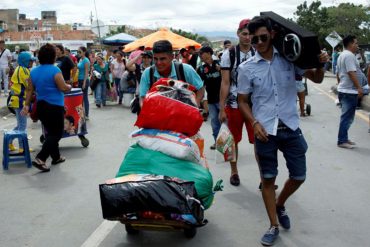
{"x":97,"y":22}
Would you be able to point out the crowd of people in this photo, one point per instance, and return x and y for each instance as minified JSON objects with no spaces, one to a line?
{"x":249,"y":84}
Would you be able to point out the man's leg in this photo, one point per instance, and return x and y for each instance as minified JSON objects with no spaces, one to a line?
{"x":268,"y":195}
{"x":6,"y":83}
{"x":2,"y":76}
{"x":215,"y":122}
{"x":349,"y":102}
{"x":289,"y":188}
{"x":235,"y":124}
{"x":294,"y":147}
{"x":301,"y":99}
{"x":266,"y":155}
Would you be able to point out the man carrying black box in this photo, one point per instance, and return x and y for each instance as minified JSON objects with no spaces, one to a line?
{"x":268,"y":79}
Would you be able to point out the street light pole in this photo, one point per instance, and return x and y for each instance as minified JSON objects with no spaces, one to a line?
{"x":97,"y":22}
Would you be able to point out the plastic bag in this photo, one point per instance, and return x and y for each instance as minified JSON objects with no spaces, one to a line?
{"x":139,"y":161}
{"x":199,"y":140}
{"x":153,"y":194}
{"x":225,"y":143}
{"x":112,"y":94}
{"x":167,"y":111}
{"x":168,"y":142}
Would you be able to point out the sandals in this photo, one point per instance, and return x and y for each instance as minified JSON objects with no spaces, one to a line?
{"x":40,"y":165}
{"x":60,"y":160}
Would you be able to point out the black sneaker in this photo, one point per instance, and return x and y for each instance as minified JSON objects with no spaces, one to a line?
{"x":283,"y":217}
{"x":98,"y":105}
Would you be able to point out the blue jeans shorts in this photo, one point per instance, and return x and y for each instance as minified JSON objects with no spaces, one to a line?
{"x":293,"y":146}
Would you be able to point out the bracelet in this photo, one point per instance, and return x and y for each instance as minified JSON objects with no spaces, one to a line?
{"x":254,"y":123}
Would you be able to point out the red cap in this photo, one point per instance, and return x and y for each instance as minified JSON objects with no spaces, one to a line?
{"x":243,"y":23}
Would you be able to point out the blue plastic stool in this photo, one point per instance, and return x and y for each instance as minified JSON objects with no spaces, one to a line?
{"x":7,"y":157}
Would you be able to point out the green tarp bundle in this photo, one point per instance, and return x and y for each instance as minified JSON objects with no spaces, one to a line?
{"x":143,"y":161}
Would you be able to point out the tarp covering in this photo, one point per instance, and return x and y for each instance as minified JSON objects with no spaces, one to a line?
{"x":176,"y":40}
{"x":143,"y":161}
{"x":119,"y":39}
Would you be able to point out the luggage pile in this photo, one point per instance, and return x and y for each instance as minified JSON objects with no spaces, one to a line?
{"x":163,"y":181}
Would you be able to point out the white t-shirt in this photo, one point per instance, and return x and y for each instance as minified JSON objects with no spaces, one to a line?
{"x":347,"y":62}
{"x":5,"y":58}
{"x":225,"y":63}
{"x":118,"y":69}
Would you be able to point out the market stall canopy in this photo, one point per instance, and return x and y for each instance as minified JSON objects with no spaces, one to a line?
{"x":177,"y":41}
{"x":119,"y":39}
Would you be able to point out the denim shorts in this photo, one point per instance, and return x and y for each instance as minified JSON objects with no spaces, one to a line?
{"x":300,"y":86}
{"x":293,"y":146}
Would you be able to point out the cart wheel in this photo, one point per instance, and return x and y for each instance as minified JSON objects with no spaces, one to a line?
{"x":190,"y":232}
{"x":130,"y":230}
{"x":308,"y":109}
{"x":42,"y":138}
{"x":84,"y":142}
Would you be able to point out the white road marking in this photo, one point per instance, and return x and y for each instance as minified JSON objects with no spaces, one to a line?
{"x":100,"y":234}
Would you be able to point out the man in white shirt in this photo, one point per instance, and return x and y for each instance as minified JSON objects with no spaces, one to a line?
{"x":5,"y":60}
{"x":349,"y":89}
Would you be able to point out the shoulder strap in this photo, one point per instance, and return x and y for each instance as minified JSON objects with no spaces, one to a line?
{"x":237,"y":50}
{"x":180,"y":74}
{"x":253,"y":52}
{"x":232,"y":57}
{"x":2,"y":53}
{"x":151,"y":76}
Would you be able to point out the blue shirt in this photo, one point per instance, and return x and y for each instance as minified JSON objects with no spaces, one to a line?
{"x":191,"y":76}
{"x":273,"y":88}
{"x":81,"y":67}
{"x":42,"y":78}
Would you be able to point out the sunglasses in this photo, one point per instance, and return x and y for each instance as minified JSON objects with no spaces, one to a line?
{"x":263,"y":38}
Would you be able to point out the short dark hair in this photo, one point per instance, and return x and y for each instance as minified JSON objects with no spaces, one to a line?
{"x":182,"y":50}
{"x":60,"y":48}
{"x":258,"y":22}
{"x":47,"y":54}
{"x":349,"y":39}
{"x":226,"y":42}
{"x":206,"y":49}
{"x":162,"y":46}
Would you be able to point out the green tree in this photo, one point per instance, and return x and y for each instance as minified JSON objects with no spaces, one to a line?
{"x":313,"y":18}
{"x":121,"y":29}
{"x":346,"y":18}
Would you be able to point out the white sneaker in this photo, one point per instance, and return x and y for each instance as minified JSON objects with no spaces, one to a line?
{"x":345,"y":145}
{"x":351,"y":143}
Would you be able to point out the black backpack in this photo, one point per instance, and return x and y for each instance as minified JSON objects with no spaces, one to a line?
{"x":180,"y":74}
{"x":234,"y":53}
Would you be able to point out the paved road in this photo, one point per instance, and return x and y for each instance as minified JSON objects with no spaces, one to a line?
{"x":62,"y":208}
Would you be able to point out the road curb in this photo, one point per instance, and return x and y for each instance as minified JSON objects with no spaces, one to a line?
{"x":365,"y":104}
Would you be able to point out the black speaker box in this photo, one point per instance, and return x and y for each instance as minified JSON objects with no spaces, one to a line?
{"x":298,"y":45}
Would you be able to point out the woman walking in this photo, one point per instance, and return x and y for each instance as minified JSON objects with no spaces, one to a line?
{"x":83,"y":77}
{"x":101,"y":85}
{"x":47,"y":80}
{"x":118,"y":67}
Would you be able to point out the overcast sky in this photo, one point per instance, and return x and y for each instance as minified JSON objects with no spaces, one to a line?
{"x":191,"y":15}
